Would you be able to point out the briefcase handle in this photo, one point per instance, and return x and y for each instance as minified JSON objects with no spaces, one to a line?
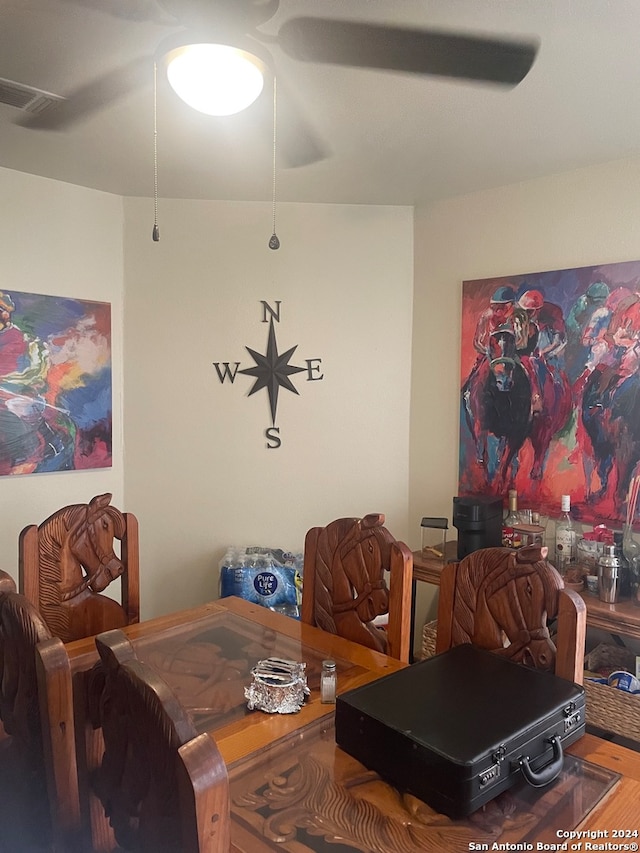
{"x":546,"y":774}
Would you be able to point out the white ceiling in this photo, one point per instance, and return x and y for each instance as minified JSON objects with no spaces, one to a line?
{"x":394,"y":138}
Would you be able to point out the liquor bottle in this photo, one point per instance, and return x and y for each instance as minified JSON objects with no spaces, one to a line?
{"x":511,"y":537}
{"x":631,"y":551}
{"x":625,"y":570}
{"x":538,"y":535}
{"x":565,"y":552}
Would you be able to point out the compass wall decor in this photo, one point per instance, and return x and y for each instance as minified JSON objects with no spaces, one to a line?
{"x":271,"y":371}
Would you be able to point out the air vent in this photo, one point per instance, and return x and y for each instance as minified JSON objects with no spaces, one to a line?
{"x":26,"y":97}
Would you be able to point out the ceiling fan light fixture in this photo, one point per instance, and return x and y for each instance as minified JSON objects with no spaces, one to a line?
{"x":216,"y":79}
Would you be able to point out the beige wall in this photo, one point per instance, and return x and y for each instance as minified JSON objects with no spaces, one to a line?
{"x":67,"y":241}
{"x":198,"y":472}
{"x":581,"y":218}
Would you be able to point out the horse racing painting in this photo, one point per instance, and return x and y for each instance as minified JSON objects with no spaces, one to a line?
{"x":550,"y":389}
{"x":55,"y":383}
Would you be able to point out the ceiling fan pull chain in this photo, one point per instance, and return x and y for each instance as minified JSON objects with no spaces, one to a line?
{"x":156,"y":230}
{"x":274,"y":243}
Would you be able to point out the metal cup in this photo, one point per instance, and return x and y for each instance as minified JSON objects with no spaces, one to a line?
{"x":609,"y":583}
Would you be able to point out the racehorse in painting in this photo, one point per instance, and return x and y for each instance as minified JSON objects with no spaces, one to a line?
{"x":34,"y":436}
{"x":610,"y":411}
{"x":513,"y":398}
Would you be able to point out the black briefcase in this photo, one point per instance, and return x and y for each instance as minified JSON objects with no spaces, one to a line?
{"x":459,"y":728}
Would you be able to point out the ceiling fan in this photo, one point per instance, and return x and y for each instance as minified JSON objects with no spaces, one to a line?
{"x":236,"y":23}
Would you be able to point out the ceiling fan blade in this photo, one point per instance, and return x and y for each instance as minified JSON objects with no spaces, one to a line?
{"x":415,"y":51}
{"x":130,"y":10}
{"x":238,"y":15}
{"x":298,"y":141}
{"x":92,"y":97}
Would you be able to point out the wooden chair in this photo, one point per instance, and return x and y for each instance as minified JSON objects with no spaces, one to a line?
{"x":344,"y":587}
{"x":23,"y":806}
{"x":38,"y":726}
{"x":69,"y":559}
{"x":21,"y":628}
{"x":163,"y":786}
{"x":503,"y":600}
{"x":7,"y":583}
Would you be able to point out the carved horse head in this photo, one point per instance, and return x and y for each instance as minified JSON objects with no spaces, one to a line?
{"x":360,"y":559}
{"x":76,"y":558}
{"x":350,"y":590}
{"x":522,"y":596}
{"x":90,"y":541}
{"x":508,"y":598}
{"x":137,"y":781}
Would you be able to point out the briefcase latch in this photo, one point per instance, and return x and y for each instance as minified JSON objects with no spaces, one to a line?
{"x":572,"y":717}
{"x":500,"y":753}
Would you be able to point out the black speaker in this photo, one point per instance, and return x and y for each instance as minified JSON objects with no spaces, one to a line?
{"x":479,"y":523}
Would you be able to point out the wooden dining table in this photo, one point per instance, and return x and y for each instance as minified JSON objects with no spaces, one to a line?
{"x":292,"y":788}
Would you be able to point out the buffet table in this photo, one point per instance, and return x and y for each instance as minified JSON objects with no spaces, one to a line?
{"x":292,"y":788}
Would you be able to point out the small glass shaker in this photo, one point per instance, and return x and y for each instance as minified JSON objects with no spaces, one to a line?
{"x":328,"y":682}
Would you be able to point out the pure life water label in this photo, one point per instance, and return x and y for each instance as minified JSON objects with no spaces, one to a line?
{"x":269,"y":587}
{"x":265,"y":583}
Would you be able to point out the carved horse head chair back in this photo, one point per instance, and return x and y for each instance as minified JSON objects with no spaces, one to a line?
{"x":21,"y":629}
{"x":163,"y":786}
{"x":504,"y":600}
{"x":69,"y":559}
{"x":22,"y":634}
{"x":345,"y":587}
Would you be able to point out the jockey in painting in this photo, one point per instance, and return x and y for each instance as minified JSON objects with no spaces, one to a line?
{"x":24,"y":365}
{"x":24,"y":361}
{"x":542,"y":335}
{"x":497,"y":315}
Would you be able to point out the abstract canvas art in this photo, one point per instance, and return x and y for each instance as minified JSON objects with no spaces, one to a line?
{"x":55,"y":383}
{"x":550,"y":388}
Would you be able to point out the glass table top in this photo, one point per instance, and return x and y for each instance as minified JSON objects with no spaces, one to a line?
{"x":306,"y":794}
{"x":208,"y":663}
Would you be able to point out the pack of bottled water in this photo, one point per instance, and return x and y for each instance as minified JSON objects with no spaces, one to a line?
{"x":270,"y":577}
